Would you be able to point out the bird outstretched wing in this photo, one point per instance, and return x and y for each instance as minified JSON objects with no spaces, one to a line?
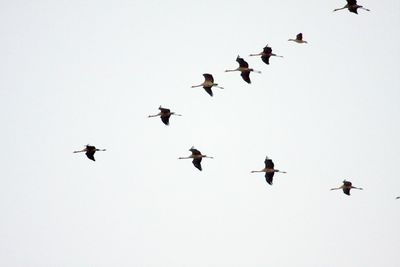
{"x":351,"y":2}
{"x":242,"y":62}
{"x":208,"y":90}
{"x":346,"y":190}
{"x":90,"y":154}
{"x":269,"y":164}
{"x":269,"y":177}
{"x":265,"y":59}
{"x":246,"y":76}
{"x":195,"y":152}
{"x":164,"y":110}
{"x":353,"y":9}
{"x":90,"y":148}
{"x":267,"y":50}
{"x":197,"y":163}
{"x":347,"y":183}
{"x":299,"y":36}
{"x":165,"y":119}
{"x":208,"y":77}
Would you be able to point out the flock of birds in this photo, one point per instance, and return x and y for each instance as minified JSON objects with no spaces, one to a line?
{"x":245,"y":70}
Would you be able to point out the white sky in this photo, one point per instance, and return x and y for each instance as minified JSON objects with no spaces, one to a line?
{"x":79,"y":72}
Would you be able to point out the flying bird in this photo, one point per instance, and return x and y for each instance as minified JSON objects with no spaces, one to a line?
{"x":347,"y":185}
{"x":244,"y":69}
{"x":266,"y":54}
{"x":352,"y":6}
{"x":299,"y":39}
{"x":90,"y":150}
{"x":164,"y":114}
{"x":197,"y":157}
{"x":269,"y":170}
{"x":397,"y":197}
{"x":208,"y":84}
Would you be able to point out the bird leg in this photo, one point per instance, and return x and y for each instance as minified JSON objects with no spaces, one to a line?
{"x":337,"y":9}
{"x":258,"y":171}
{"x":151,"y":116}
{"x":337,"y":188}
{"x":83,"y":150}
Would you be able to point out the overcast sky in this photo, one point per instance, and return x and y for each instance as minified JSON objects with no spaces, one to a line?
{"x":90,"y":72}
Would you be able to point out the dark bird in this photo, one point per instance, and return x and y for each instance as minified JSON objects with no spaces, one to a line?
{"x":397,"y":197}
{"x":164,"y":114}
{"x":208,"y":84}
{"x":352,"y":6}
{"x":269,"y":170}
{"x":299,"y":39}
{"x":244,"y":69}
{"x":197,"y":157}
{"x":266,"y":54}
{"x":90,"y":150}
{"x":346,"y":187}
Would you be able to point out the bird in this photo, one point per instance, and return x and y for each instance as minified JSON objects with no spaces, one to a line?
{"x":299,"y":39}
{"x":269,"y":170}
{"x":197,"y":157}
{"x":244,"y":69}
{"x":208,"y":84}
{"x":352,"y":6}
{"x":347,"y":185}
{"x":266,"y":54}
{"x":90,"y":150}
{"x":397,"y":197}
{"x":164,"y":114}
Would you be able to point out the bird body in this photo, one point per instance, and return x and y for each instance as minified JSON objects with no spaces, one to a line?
{"x":164,"y":114}
{"x":269,"y":170}
{"x":346,"y":187}
{"x":299,"y":39}
{"x":244,"y":69}
{"x":352,"y":6}
{"x":197,"y":158}
{"x":266,"y":54}
{"x":89,"y":151}
{"x":208,"y":84}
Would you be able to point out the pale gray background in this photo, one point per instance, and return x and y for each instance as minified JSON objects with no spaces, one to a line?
{"x":78,"y":72}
